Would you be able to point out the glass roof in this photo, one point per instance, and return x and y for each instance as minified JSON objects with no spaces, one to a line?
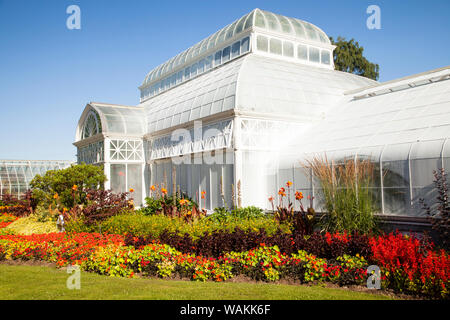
{"x":254,"y":84}
{"x":114,"y":119}
{"x":257,"y":18}
{"x":405,"y":117}
{"x":15,"y":176}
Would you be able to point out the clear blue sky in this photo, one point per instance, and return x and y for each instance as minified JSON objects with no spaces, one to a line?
{"x":48,"y":73}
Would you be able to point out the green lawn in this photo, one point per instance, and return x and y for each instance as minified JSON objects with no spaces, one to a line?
{"x":36,"y":282}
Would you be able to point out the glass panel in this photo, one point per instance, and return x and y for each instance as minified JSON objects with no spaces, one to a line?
{"x":272,"y":21}
{"x":118,"y":178}
{"x":226,"y":54}
{"x":325,"y":57}
{"x":259,"y":20}
{"x":208,"y":62}
{"x":262,"y":43}
{"x":201,"y":66}
{"x":179,"y":77}
{"x":230,"y":31}
{"x":396,"y":187}
{"x":275,"y":46}
{"x":218,"y":58}
{"x":249,"y":21}
{"x":285,"y":26}
{"x":187,"y":73}
{"x":288,"y":49}
{"x":314,"y":54}
{"x":194,"y":70}
{"x":310,"y":31}
{"x":134,"y":174}
{"x":245,"y":45}
{"x":299,"y":30}
{"x":236,"y":49}
{"x":240,"y":25}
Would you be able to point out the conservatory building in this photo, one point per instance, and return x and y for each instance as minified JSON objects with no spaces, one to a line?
{"x":237,"y":113}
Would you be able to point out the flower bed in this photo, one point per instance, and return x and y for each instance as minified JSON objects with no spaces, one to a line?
{"x":6,"y":219}
{"x":219,"y":242}
{"x":407,"y":264}
{"x":141,"y":225}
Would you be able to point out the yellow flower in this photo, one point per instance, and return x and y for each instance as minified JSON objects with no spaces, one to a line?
{"x":55,"y":196}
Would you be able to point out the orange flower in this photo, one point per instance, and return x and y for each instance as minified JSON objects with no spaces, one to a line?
{"x":131,"y":190}
{"x":288,"y":184}
{"x":164,"y":191}
{"x":270,"y":198}
{"x":184,"y":202}
{"x":75,"y":187}
{"x":152,"y":188}
{"x":55,"y":196}
{"x":298,"y":195}
{"x":203,"y":194}
{"x":282,"y":192}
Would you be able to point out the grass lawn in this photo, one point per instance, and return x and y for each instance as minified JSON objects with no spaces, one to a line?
{"x":39,"y":282}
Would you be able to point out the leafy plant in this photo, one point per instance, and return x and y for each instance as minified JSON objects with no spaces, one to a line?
{"x":176,"y":205}
{"x":68,"y":186}
{"x":18,"y":207}
{"x":103,"y":204}
{"x":302,"y":221}
{"x":348,"y":199}
{"x":223,"y":214}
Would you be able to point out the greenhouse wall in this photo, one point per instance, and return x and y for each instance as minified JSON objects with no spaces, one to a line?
{"x":192,"y":178}
{"x":403,"y":175}
{"x":16,"y":175}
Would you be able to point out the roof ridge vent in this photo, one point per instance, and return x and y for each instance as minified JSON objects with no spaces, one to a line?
{"x":403,"y":86}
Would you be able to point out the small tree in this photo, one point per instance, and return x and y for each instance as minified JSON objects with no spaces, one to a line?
{"x":68,"y":185}
{"x":348,"y":57}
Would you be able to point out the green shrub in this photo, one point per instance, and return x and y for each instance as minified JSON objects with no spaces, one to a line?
{"x":250,"y":212}
{"x":223,"y":214}
{"x":157,"y":205}
{"x":141,"y":225}
{"x":68,"y":184}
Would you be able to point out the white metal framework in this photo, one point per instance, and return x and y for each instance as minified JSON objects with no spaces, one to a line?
{"x":265,"y":85}
{"x":112,"y":136}
{"x":15,"y":176}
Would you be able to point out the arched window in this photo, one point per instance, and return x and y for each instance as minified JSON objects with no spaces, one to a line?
{"x":92,"y":125}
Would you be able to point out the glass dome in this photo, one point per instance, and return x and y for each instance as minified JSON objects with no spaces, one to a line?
{"x":261,"y":19}
{"x":110,"y":119}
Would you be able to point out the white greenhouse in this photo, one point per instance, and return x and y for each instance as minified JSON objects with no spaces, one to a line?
{"x":236,"y":113}
{"x":16,"y":175}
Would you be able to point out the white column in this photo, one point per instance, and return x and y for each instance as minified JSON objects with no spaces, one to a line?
{"x":107,"y":164}
{"x":237,"y":158}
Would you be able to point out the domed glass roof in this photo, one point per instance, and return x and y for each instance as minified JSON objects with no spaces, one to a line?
{"x":257,"y":18}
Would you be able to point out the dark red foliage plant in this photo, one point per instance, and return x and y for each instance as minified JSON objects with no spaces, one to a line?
{"x":219,"y":242}
{"x":103,"y":204}
{"x":18,"y":207}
